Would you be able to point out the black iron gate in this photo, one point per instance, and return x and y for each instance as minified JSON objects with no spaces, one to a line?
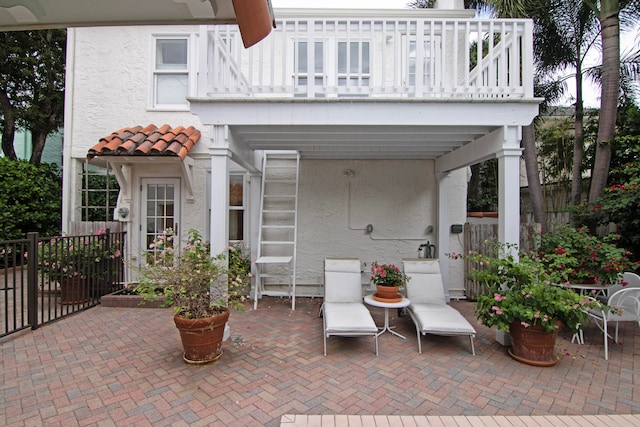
{"x":45,"y":279}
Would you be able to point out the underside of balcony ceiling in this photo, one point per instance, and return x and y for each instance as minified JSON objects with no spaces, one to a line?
{"x":359,"y":142}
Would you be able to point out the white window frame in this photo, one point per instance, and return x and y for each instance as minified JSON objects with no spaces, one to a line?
{"x":358,"y":75}
{"x":244,"y":207}
{"x":189,"y":72}
{"x":431,"y":77}
{"x":144,"y":214}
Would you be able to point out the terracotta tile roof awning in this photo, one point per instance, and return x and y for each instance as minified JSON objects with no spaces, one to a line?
{"x":148,"y":141}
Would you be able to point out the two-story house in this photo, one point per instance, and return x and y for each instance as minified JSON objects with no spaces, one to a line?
{"x":343,"y":133}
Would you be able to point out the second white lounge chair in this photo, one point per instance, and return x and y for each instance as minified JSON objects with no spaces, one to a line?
{"x":428,"y":308}
{"x":343,"y":312}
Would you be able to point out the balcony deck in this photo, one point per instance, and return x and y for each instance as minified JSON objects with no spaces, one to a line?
{"x":408,"y":54}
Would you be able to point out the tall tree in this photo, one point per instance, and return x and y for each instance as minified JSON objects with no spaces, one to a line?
{"x":31,"y":86}
{"x":609,"y":15}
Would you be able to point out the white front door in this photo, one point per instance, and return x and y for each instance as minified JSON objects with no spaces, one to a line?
{"x":160,"y":208}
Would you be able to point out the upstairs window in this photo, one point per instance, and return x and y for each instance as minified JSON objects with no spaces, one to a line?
{"x":171,"y":72}
{"x":354,"y":63}
{"x":303,"y":75}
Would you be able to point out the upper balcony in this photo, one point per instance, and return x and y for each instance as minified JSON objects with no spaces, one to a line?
{"x":408,"y":54}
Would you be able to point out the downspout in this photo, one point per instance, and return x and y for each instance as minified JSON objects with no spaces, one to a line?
{"x":68,"y":184}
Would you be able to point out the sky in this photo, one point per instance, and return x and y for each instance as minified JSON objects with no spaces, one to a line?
{"x":343,"y":4}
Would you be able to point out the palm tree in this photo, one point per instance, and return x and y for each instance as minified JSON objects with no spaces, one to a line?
{"x":610,"y":14}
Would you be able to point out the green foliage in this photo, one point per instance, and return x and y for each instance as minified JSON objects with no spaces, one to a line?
{"x":191,"y":280}
{"x":574,"y":255}
{"x":482,"y":195}
{"x":32,"y":79}
{"x":83,"y":257}
{"x":520,"y":288}
{"x":239,"y":274}
{"x":620,"y":203}
{"x":31,"y":199}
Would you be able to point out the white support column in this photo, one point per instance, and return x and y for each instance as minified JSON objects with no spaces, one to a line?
{"x":443,"y":230}
{"x":255,"y":212}
{"x":220,"y":158}
{"x":509,"y":187}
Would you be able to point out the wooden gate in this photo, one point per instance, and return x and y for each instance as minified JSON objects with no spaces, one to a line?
{"x":476,"y":239}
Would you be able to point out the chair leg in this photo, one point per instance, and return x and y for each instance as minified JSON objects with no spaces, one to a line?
{"x":324,"y":334}
{"x":473,"y":350}
{"x":419,"y":341}
{"x":375,"y":337}
{"x":606,"y":338}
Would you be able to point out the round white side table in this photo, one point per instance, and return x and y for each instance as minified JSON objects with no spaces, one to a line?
{"x":387,"y":305}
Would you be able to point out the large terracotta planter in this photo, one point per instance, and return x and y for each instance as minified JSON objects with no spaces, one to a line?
{"x":202,"y":338}
{"x":532,"y":345}
{"x":74,"y":290}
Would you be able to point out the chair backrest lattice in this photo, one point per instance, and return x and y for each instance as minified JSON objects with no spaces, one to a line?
{"x":627,"y":299}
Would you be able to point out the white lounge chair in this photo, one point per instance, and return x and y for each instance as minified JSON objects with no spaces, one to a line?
{"x":428,"y":307}
{"x":343,"y":312}
{"x":628,"y":301}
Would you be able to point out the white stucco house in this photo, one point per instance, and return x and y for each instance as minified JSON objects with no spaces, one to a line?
{"x":344,"y":133}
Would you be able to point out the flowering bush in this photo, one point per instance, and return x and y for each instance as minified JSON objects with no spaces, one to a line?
{"x":519,"y":288}
{"x":191,"y":280}
{"x":387,"y":275}
{"x":620,"y":204}
{"x":239,"y":274}
{"x":573,"y":255}
{"x":78,"y":256}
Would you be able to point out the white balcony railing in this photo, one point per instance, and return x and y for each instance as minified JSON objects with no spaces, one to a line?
{"x":378,"y":57}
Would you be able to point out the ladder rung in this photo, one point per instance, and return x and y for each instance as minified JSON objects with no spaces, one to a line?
{"x":281,"y":196}
{"x":277,"y":211}
{"x":280,"y":181}
{"x":278,"y":226}
{"x":276,"y":242}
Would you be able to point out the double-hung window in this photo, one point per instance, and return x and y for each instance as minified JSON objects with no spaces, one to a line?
{"x":309,"y":67}
{"x":171,"y":72}
{"x":354,"y":63}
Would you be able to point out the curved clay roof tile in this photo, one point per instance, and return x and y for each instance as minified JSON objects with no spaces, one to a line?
{"x":150,"y":140}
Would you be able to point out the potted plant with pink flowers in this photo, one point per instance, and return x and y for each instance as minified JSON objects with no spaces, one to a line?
{"x":388,"y":279}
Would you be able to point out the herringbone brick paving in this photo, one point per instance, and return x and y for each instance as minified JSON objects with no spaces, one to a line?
{"x":123,"y":366}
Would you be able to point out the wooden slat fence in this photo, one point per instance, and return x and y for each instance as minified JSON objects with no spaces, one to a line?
{"x":476,"y":237}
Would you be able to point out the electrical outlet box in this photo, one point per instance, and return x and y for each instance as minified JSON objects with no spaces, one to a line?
{"x":456,"y":228}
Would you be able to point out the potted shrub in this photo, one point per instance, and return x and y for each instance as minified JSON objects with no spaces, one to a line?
{"x":195,"y":285}
{"x":75,"y":261}
{"x":520,"y":298}
{"x":388,"y":279}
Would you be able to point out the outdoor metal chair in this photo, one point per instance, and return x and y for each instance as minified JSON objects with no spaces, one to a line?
{"x":626,"y":308}
{"x":343,"y":311}
{"x":428,"y":307}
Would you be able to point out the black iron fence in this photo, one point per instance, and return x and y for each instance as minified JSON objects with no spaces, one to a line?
{"x":43,"y":279}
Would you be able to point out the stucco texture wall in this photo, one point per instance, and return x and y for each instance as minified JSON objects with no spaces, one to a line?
{"x":339,"y":198}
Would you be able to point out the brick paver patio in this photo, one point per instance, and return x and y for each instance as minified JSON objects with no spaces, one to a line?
{"x":122,"y":366}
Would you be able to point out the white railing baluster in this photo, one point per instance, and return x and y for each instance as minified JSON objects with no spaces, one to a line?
{"x":442,"y":69}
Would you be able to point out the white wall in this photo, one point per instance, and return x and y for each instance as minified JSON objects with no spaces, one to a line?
{"x":109,"y":89}
{"x":397,"y":197}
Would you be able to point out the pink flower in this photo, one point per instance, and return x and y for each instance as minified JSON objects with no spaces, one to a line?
{"x":496,"y":309}
{"x":525,"y":324}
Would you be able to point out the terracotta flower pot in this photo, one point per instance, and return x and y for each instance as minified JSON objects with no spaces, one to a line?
{"x":533,"y":345}
{"x":387,"y":293}
{"x":202,"y":338}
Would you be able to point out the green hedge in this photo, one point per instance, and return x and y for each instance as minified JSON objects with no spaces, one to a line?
{"x":30,"y":199}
